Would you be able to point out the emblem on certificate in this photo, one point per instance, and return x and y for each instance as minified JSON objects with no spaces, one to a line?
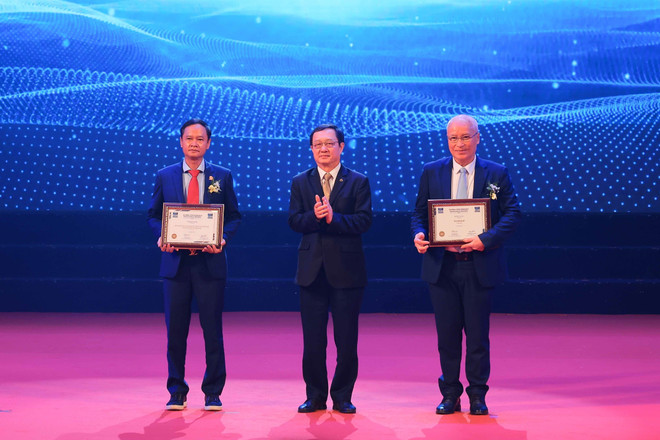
{"x":192,"y":226}
{"x":452,"y":220}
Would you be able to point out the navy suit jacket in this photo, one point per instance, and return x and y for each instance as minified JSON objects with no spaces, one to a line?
{"x":435,"y":183}
{"x":336,"y":246}
{"x":169,"y":188}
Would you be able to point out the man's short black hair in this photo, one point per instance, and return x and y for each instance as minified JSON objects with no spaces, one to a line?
{"x":196,"y":121}
{"x":338,"y":132}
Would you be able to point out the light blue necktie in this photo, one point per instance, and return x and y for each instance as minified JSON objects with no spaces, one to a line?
{"x":462,"y":192}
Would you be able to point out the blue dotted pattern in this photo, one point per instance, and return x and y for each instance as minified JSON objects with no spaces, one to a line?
{"x":90,"y":169}
{"x":91,"y":97}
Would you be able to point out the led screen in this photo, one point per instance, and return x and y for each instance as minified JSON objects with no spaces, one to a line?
{"x":92,"y":95}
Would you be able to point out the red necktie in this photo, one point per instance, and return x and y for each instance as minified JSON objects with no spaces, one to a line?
{"x":193,"y":188}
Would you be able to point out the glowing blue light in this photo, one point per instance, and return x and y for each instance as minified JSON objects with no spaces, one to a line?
{"x":263,"y":75}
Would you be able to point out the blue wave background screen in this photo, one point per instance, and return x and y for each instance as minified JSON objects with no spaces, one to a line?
{"x":92,"y":95}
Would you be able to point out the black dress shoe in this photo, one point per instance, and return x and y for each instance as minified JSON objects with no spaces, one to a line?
{"x":311,"y":406}
{"x":478,"y":406}
{"x":449,"y":405}
{"x":177,"y":402}
{"x":345,"y":407}
{"x":212,"y":403}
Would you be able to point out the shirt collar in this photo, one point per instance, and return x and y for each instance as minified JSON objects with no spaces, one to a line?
{"x":333,"y":172}
{"x":201,"y":166}
{"x":469,"y":167}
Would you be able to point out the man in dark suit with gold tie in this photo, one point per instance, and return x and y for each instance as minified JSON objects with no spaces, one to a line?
{"x":461,"y":279}
{"x":189,"y":274}
{"x":331,"y":206}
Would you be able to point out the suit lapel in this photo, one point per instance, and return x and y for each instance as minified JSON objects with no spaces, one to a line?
{"x":339,"y":185}
{"x":177,"y":183}
{"x":479,"y":179}
{"x":315,"y":182}
{"x":208,"y":171}
{"x":445,"y":179}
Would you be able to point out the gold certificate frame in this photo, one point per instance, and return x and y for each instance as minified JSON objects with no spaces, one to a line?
{"x":452,"y":220}
{"x":187,"y":226}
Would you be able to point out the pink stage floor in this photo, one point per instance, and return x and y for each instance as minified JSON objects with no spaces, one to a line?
{"x":102,"y":376}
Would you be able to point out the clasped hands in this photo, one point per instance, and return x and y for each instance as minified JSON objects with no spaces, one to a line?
{"x":471,"y":244}
{"x":211,"y":249}
{"x":322,"y":209}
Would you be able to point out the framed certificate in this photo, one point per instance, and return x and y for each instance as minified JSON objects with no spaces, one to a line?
{"x":192,"y":226}
{"x":452,"y":220}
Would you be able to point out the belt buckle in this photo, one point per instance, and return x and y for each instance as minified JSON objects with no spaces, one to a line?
{"x":462,"y":256}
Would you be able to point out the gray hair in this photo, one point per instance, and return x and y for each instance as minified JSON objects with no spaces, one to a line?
{"x":464,"y":118}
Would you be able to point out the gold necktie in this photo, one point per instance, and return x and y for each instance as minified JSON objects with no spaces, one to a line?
{"x":326,"y":185}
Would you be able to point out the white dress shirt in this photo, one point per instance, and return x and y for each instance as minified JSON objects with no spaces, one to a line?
{"x":456,"y":174}
{"x":187,"y":177}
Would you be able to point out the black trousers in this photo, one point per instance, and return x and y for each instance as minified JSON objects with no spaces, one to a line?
{"x":344,"y":305}
{"x":461,"y":304}
{"x":193,"y":280}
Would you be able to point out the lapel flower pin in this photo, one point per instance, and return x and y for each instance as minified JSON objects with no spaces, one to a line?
{"x":214,"y":187}
{"x":493,"y":190}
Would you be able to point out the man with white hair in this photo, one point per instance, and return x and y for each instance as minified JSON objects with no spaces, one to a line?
{"x":461,"y":279}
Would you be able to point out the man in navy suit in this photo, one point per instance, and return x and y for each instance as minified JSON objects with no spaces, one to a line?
{"x":189,"y":274}
{"x":461,"y":279}
{"x":331,"y":206}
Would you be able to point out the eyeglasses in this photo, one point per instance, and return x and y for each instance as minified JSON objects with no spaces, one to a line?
{"x":328,"y":144}
{"x":465,"y":138}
